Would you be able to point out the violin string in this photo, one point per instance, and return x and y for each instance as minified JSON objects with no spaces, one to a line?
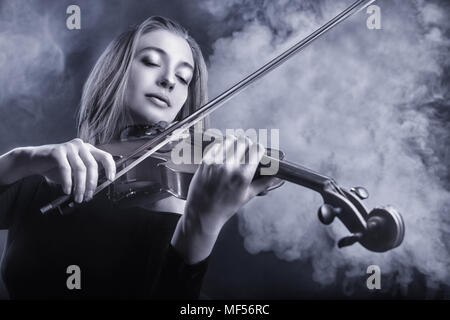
{"x":217,"y":102}
{"x":176,"y":130}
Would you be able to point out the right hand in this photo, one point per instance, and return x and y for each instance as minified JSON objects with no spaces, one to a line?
{"x":73,"y":165}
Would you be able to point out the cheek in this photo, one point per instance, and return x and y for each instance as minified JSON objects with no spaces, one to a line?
{"x":181,"y":97}
{"x":140,"y":77}
{"x":135,"y":79}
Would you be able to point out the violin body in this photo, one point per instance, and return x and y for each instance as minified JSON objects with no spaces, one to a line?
{"x":145,"y":165}
{"x":159,"y":169}
{"x":379,"y":230}
{"x":157,"y":172}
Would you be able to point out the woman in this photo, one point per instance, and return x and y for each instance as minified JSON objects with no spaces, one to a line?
{"x":154,"y":72}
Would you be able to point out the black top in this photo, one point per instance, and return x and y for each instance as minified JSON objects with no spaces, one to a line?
{"x":121,"y":252}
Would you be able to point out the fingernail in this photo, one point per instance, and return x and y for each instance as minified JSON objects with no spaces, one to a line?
{"x":67,"y":190}
{"x":78,"y":198}
{"x":89,"y":196}
{"x":111,"y":176}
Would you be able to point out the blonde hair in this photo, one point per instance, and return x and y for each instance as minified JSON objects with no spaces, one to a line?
{"x":102,"y":110}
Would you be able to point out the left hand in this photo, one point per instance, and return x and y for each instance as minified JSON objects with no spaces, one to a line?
{"x":223,"y":183}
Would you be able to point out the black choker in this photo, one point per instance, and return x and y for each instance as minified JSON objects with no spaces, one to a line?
{"x":140,"y":130}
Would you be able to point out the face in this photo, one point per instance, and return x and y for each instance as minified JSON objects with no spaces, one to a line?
{"x":161,"y":71}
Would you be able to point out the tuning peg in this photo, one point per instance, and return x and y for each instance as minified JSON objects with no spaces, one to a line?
{"x":348,"y":241}
{"x":327,"y":213}
{"x":361,"y":192}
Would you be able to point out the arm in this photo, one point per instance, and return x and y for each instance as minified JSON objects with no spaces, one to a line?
{"x":177,"y":279}
{"x":59,"y":163}
{"x":73,"y":163}
{"x":11,"y":170}
{"x":218,"y":189}
{"x":191,"y":241}
{"x":11,"y":166}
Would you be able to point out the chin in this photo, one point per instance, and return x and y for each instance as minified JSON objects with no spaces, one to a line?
{"x":155,"y":118}
{"x":148,"y":114}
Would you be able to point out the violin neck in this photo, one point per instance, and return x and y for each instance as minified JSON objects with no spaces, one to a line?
{"x":287,"y":171}
{"x":301,"y":175}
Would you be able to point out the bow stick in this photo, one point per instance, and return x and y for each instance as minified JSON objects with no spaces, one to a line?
{"x":176,"y":130}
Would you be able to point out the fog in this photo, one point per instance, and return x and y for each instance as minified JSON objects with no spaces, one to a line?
{"x":366,"y":107}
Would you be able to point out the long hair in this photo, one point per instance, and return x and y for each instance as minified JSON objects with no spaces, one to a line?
{"x":102,"y":109}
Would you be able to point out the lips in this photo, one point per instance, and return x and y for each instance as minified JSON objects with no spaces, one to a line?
{"x":158,"y":99}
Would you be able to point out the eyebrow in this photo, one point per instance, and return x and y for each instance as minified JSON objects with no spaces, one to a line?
{"x":183,"y":63}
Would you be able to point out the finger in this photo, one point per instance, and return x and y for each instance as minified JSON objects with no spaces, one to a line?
{"x":241,"y":175}
{"x":64,"y":170}
{"x":229,"y":150}
{"x":91,"y":172}
{"x":275,"y":185}
{"x":262,"y":184}
{"x":242,"y":145}
{"x":106,"y":159}
{"x":79,"y":174}
{"x":209,"y":156}
{"x":256,"y":152}
{"x":218,"y":154}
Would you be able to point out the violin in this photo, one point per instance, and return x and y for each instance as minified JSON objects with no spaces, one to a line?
{"x":145,"y":165}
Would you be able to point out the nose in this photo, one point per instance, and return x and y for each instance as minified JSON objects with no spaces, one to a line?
{"x":166,"y":83}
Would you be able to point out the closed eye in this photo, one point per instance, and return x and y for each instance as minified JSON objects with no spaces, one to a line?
{"x":149,"y":63}
{"x":183,"y":80}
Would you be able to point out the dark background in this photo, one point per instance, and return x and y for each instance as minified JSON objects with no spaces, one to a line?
{"x":368,"y":107}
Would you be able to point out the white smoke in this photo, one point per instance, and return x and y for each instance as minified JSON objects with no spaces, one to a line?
{"x":351,"y":106}
{"x":38,"y":79}
{"x":358,"y":105}
{"x":29,"y":53}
